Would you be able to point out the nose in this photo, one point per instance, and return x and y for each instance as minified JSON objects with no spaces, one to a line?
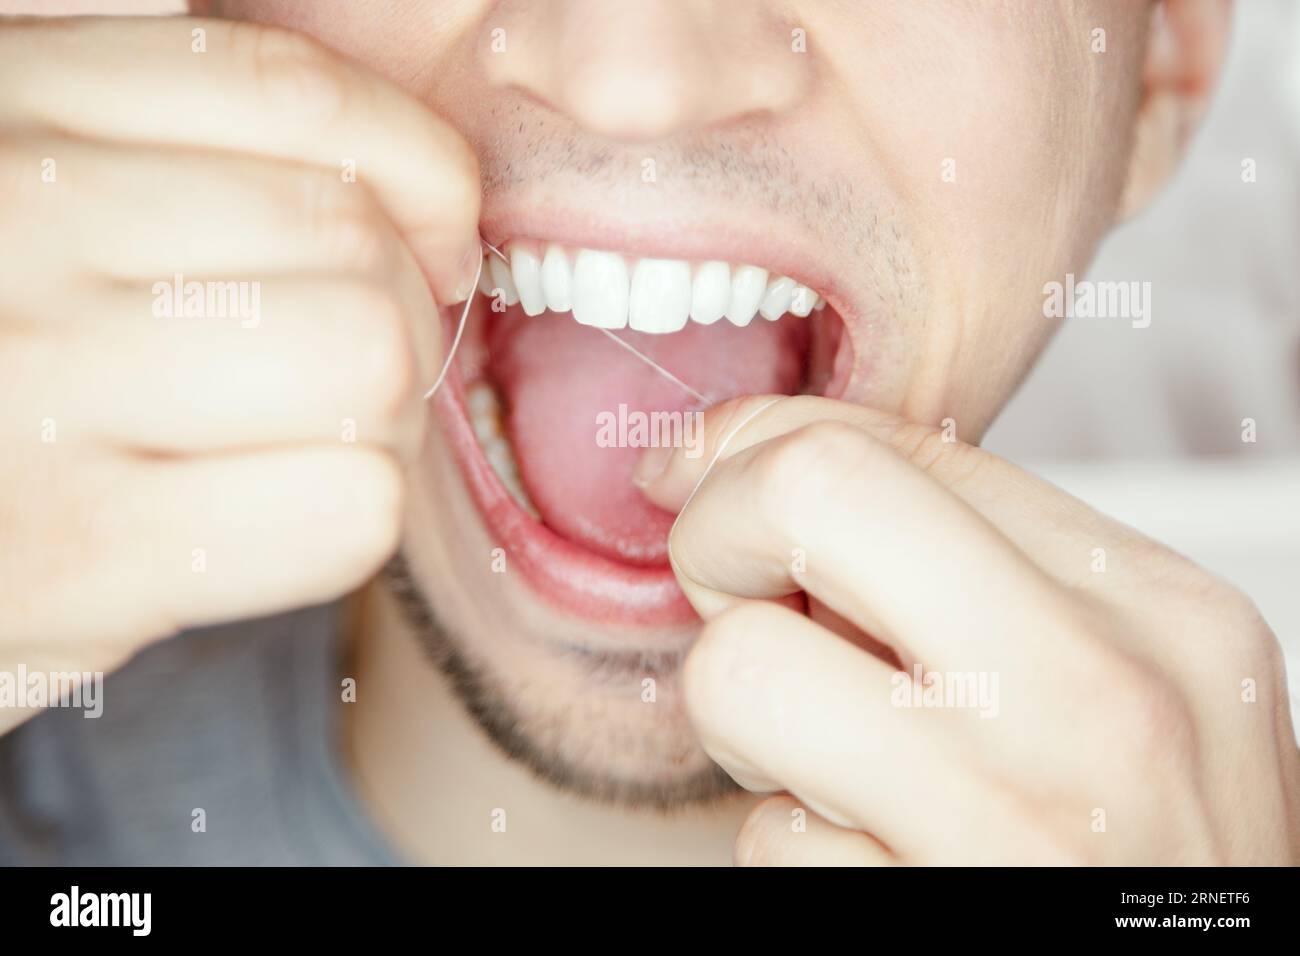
{"x":634,"y":70}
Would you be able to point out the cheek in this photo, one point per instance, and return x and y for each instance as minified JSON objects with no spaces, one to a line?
{"x":998,"y":136}
{"x":992,"y":116}
{"x":978,"y":138}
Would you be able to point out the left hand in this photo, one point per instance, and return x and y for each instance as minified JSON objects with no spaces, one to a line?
{"x":1134,"y":707}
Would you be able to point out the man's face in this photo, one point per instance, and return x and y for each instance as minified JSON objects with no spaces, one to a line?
{"x":925,"y":168}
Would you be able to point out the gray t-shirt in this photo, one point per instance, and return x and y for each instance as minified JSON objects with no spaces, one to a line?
{"x":242,"y":721}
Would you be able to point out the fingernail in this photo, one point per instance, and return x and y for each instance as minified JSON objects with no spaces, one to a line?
{"x":468,"y":272}
{"x":652,"y":464}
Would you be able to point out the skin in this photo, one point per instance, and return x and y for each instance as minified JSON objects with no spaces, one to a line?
{"x":1122,"y":690}
{"x":341,"y":267}
{"x":910,"y":540}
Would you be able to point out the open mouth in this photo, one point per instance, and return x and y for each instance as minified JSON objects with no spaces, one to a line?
{"x":573,"y":362}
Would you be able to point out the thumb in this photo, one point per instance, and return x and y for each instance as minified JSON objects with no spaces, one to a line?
{"x":669,"y":476}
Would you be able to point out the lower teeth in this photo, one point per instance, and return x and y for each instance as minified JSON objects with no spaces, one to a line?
{"x":484,"y":410}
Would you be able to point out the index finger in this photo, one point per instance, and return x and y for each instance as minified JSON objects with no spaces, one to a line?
{"x":830,"y":510}
{"x":247,"y":88}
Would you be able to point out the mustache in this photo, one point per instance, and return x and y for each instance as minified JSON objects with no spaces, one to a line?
{"x":744,"y":165}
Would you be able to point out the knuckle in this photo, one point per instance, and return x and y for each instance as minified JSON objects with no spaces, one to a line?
{"x":292,"y":72}
{"x":731,"y":637}
{"x":918,"y":444}
{"x":706,"y":664}
{"x":1153,"y":722}
{"x":809,"y":464}
{"x":927,"y":450}
{"x":1156,"y":717}
{"x":1254,"y":651}
{"x":1263,"y":657}
{"x":375,"y":505}
{"x":1196,"y":588}
{"x":1234,"y":632}
{"x":1239,"y":609}
{"x":1232,"y":611}
{"x":355,"y":238}
{"x":1237,"y":631}
{"x":389,"y":368}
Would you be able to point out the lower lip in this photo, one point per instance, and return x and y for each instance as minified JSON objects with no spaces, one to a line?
{"x":565,"y":575}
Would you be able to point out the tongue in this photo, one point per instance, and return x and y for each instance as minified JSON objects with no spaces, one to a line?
{"x":563,"y":385}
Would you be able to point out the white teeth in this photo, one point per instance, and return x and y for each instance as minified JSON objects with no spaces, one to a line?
{"x":600,"y":289}
{"x":748,"y":283}
{"x":656,"y":296}
{"x":501,"y":280}
{"x":484,"y":411}
{"x":526,"y":270}
{"x":557,"y":280}
{"x":485,"y":278}
{"x":710,"y":292}
{"x":482,"y":405}
{"x":777,"y":299}
{"x":803,"y":300}
{"x":660,"y":298}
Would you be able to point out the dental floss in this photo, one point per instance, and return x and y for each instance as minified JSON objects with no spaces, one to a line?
{"x":460,"y":330}
{"x":641,"y":355}
{"x":658,"y":368}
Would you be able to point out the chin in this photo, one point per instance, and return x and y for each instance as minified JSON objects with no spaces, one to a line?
{"x":535,"y":571}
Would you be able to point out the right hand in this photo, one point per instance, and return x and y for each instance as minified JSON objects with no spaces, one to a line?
{"x":159,"y":473}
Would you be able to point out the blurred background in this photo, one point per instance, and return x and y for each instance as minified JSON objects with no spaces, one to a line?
{"x":1146,"y":424}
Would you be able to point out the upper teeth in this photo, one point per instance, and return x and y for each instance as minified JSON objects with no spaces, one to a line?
{"x":605,"y":290}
